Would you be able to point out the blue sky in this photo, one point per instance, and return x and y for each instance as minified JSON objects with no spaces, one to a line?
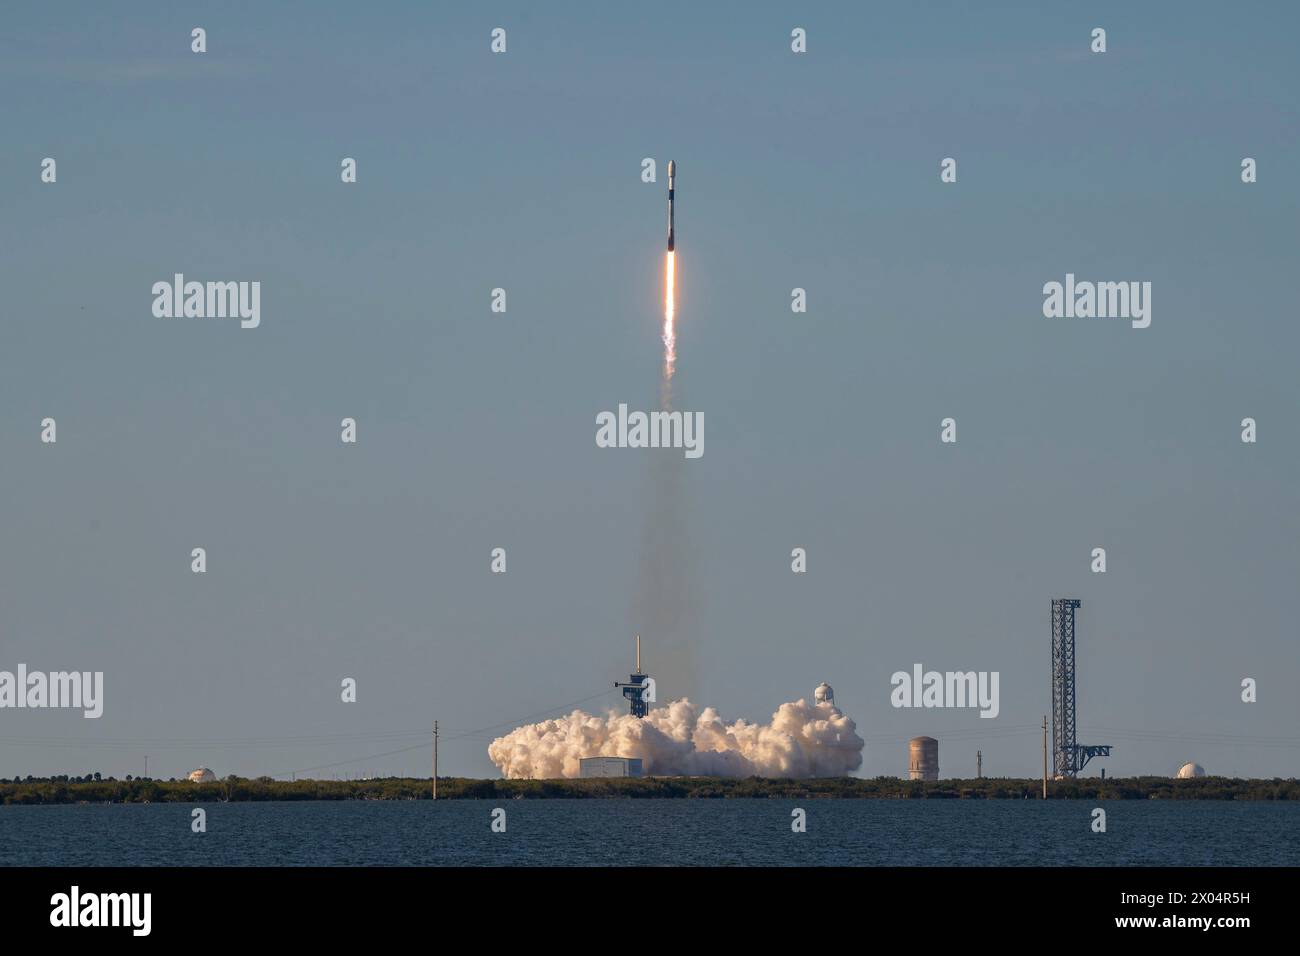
{"x":477,"y":430}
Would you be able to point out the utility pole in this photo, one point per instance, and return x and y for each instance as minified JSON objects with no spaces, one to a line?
{"x":1044,"y":756}
{"x":146,"y":766}
{"x":435,"y":760}
{"x":979,"y":765}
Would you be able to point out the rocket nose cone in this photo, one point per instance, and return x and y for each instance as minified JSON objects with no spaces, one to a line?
{"x":672,"y":168}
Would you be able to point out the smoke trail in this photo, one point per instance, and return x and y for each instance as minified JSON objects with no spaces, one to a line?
{"x":664,"y":603}
{"x":803,"y":740}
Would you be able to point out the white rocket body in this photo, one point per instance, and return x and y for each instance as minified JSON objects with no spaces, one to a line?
{"x":672,"y":175}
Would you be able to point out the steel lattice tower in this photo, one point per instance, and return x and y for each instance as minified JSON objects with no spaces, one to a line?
{"x":635,"y":689}
{"x":1068,"y":755}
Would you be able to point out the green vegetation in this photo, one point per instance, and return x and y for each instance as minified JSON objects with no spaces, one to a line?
{"x":92,"y":789}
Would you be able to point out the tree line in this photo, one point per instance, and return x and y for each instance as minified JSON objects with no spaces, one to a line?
{"x":91,"y":788}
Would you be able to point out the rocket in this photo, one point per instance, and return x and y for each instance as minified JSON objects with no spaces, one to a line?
{"x":672,"y":174}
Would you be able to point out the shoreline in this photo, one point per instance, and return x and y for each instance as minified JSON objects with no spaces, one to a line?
{"x":264,"y":789}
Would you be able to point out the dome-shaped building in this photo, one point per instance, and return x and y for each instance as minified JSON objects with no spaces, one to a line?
{"x":202,"y":775}
{"x":1189,"y":770}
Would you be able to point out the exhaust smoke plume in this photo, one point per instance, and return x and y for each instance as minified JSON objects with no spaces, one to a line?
{"x":802,"y":740}
{"x":664,"y":604}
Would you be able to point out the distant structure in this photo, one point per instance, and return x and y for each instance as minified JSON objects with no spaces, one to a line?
{"x":822,"y":694}
{"x":610,"y":767}
{"x":1189,"y":770}
{"x":634,"y":689}
{"x":923,"y":762}
{"x":979,"y":765}
{"x":1068,"y":755}
{"x":202,"y":775}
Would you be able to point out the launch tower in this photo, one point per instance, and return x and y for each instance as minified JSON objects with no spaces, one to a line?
{"x":1068,"y":755}
{"x":634,"y":689}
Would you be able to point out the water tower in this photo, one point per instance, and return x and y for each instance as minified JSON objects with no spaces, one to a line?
{"x":923,"y":758}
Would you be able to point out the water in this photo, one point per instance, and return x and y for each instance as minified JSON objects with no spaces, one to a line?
{"x":657,"y":833}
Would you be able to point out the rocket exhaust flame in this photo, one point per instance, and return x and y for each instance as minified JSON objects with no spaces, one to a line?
{"x":670,"y":333}
{"x":670,"y":291}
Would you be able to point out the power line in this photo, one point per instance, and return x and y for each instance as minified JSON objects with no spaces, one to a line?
{"x":1208,"y":739}
{"x":520,"y":720}
{"x":134,"y":742}
{"x":467,"y":733}
{"x":269,"y":741}
{"x":339,"y":763}
{"x":971,"y":733}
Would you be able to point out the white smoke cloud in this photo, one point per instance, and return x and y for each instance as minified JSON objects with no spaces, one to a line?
{"x":803,"y":740}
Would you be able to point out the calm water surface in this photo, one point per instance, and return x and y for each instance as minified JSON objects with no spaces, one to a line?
{"x":657,"y":832}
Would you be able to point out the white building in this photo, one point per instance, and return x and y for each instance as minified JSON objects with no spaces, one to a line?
{"x":202,"y":775}
{"x":610,"y":767}
{"x":1189,"y":770}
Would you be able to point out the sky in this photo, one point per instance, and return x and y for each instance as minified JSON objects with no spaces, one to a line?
{"x":476,"y":429}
